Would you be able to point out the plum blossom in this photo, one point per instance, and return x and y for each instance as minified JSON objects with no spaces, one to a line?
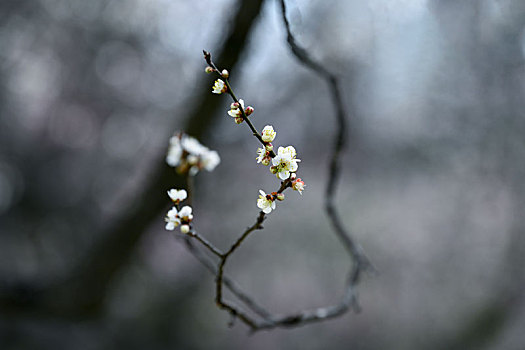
{"x":185,"y":214}
{"x":219,"y":87}
{"x":284,"y":162}
{"x":177,"y":196}
{"x":268,"y":134}
{"x":188,"y":155}
{"x":210,"y":160}
{"x":265,"y":202}
{"x":235,"y":111}
{"x":298,"y":185}
{"x":263,"y":156}
{"x":172,"y":220}
{"x":174,"y":151}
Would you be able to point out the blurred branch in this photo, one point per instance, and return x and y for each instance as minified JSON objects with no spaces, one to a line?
{"x":360,"y":261}
{"x":83,"y":292}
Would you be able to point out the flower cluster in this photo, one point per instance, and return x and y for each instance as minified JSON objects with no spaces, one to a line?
{"x":187,"y":155}
{"x":182,"y":217}
{"x":236,"y":109}
{"x":284,"y":163}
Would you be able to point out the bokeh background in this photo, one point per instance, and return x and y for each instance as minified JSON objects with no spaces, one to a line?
{"x":432,"y":186}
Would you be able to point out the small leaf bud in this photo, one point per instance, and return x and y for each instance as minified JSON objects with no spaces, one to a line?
{"x":280,"y":196}
{"x":273,"y":169}
{"x":269,"y":147}
{"x":238,"y":120}
{"x":265,"y":161}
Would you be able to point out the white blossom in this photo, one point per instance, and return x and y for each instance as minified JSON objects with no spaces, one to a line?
{"x":192,"y":145}
{"x":263,"y":156}
{"x":235,"y":111}
{"x":265,"y":202}
{"x":268,"y":134}
{"x":298,"y":185}
{"x":174,"y":151}
{"x":189,"y":155}
{"x":210,"y":160}
{"x":185,"y":214}
{"x":219,"y":87}
{"x":172,"y":219}
{"x":177,"y":195}
{"x":284,"y":162}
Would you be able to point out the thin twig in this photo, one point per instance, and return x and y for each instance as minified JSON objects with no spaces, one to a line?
{"x":227,"y":281}
{"x":207,"y":57}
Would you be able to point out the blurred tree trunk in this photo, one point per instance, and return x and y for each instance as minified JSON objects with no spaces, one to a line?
{"x":83,"y":293}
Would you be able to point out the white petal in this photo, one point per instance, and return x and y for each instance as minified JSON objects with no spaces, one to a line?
{"x":267,"y":210}
{"x":170,"y":226}
{"x":262,"y":193}
{"x":283,"y":175}
{"x":185,"y":211}
{"x":172,"y":213}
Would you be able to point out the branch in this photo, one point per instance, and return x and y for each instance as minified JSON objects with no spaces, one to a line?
{"x":360,"y":261}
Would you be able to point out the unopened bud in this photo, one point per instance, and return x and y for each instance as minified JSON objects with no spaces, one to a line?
{"x":234,"y":105}
{"x":273,"y":170}
{"x":269,"y":147}
{"x":280,"y":196}
{"x":238,"y":120}
{"x":292,"y":176}
{"x":209,"y":70}
{"x":225,"y":73}
{"x":265,"y":161}
{"x":248,"y":110}
{"x":185,"y":228}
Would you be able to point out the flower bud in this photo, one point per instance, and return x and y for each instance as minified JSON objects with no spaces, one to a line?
{"x":298,"y":185}
{"x":265,"y":161}
{"x":268,"y":134}
{"x":209,"y":70}
{"x":292,"y":176}
{"x":280,"y":196}
{"x":225,"y":73}
{"x":234,"y":105}
{"x":248,"y":110}
{"x":238,"y":120}
{"x":185,"y":228}
{"x":273,"y":169}
{"x":269,"y":147}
